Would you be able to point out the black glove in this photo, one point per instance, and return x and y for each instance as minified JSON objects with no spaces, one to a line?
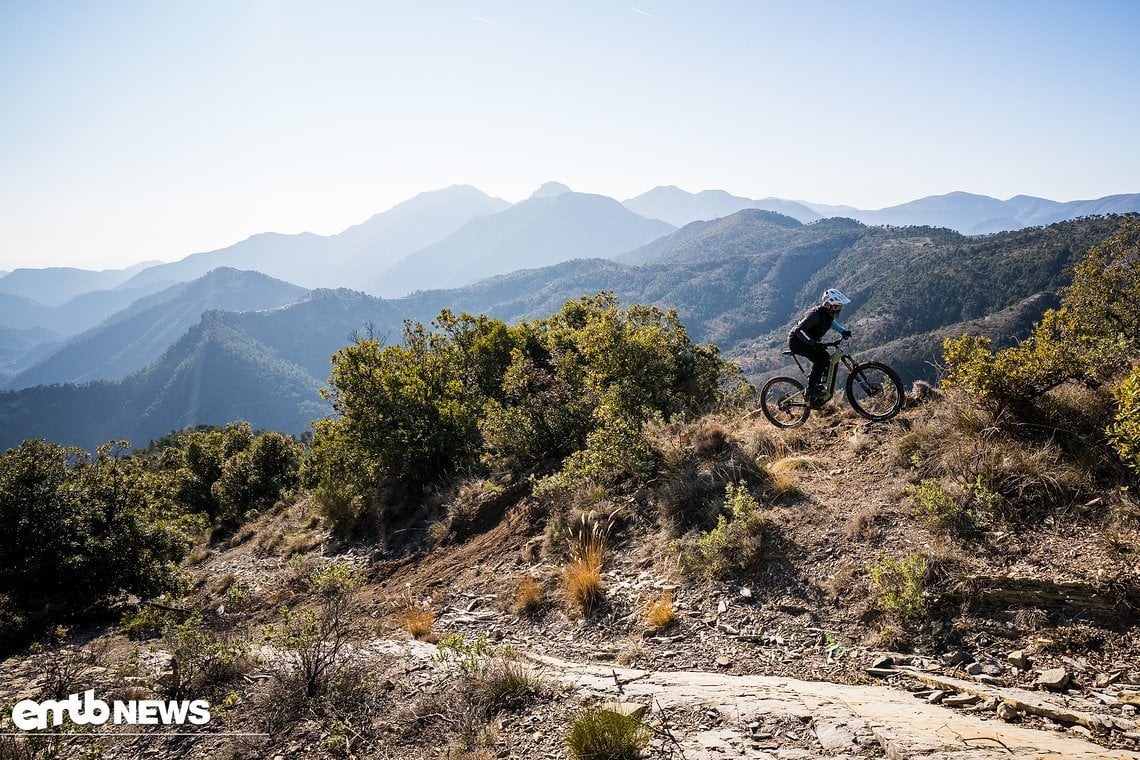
{"x":845,"y":333}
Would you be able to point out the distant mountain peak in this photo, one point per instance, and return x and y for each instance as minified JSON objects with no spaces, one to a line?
{"x":550,"y":190}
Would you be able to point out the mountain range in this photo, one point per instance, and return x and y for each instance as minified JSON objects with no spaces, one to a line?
{"x":457,"y":235}
{"x":738,"y":281}
{"x":137,"y":335}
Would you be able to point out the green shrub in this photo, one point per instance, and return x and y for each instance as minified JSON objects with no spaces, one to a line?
{"x":201,"y":658}
{"x":974,"y":510}
{"x":732,"y":546}
{"x":79,"y":530}
{"x":1124,"y":433}
{"x":597,"y":733}
{"x":313,"y":640}
{"x":225,"y":473}
{"x":147,"y":623}
{"x":898,"y":584}
{"x":576,"y":387}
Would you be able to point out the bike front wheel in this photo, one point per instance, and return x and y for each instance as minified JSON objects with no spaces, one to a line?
{"x":875,"y":391}
{"x":784,"y":403}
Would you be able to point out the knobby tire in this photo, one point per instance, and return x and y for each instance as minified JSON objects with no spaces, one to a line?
{"x":783,"y":402}
{"x":875,"y":391}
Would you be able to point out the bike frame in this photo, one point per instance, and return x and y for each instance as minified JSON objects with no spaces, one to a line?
{"x":837,"y":357}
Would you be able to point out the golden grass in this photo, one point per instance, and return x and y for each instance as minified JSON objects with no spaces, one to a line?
{"x":530,"y":596}
{"x":785,"y":473}
{"x":659,"y":612}
{"x":582,"y":575}
{"x":416,"y":620}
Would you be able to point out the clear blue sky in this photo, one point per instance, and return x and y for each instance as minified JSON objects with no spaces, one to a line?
{"x":158,"y":128}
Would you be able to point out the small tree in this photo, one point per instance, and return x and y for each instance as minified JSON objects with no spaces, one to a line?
{"x":314,"y":639}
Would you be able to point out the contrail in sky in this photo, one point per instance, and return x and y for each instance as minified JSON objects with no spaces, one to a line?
{"x":643,"y":13}
{"x":486,"y":21}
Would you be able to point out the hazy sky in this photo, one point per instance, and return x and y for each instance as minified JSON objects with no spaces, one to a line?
{"x":155,"y":129}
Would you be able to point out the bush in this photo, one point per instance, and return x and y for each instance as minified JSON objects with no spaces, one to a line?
{"x":79,"y":530}
{"x":313,"y":640}
{"x":226,"y":474}
{"x":577,"y":386}
{"x":202,"y":659}
{"x":730,"y":548}
{"x":972,"y":511}
{"x":596,"y":733}
{"x":898,"y":585}
{"x":1124,"y":433}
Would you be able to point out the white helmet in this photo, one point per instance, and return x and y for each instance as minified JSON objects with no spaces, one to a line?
{"x":832,"y":297}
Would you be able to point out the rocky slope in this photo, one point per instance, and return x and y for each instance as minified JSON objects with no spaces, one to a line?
{"x":1028,"y":644}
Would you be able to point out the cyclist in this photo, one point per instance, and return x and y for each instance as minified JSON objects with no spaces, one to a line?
{"x":804,"y":340}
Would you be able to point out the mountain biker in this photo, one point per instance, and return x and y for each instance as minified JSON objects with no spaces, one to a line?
{"x":804,"y":339}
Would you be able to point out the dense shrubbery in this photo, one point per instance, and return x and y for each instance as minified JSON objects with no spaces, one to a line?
{"x":81,"y":529}
{"x":78,"y":530}
{"x":1093,"y":338}
{"x":226,"y":473}
{"x":476,"y":392}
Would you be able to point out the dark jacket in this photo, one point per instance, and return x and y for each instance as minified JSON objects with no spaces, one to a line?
{"x":814,"y":325}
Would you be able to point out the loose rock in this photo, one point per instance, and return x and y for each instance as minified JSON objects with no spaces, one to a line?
{"x":1018,"y":659}
{"x":1007,"y":713}
{"x":1054,"y":679}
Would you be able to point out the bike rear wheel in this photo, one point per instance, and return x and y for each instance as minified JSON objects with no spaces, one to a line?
{"x":784,"y":403}
{"x":875,"y":391}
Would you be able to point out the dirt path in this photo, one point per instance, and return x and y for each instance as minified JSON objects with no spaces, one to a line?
{"x":845,"y":720}
{"x":756,"y":717}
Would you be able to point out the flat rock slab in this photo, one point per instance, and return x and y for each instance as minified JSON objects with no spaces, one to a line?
{"x":838,"y":714}
{"x":1038,"y":703}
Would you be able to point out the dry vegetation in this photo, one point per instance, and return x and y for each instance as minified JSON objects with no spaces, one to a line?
{"x":829,"y":516}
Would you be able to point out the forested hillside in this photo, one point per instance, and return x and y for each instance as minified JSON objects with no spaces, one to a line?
{"x":737,"y":282}
{"x":137,"y":335}
{"x":264,"y":367}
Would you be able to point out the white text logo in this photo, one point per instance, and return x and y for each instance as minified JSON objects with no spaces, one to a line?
{"x":30,"y":715}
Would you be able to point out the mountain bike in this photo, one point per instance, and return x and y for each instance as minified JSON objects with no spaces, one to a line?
{"x":874,"y":390}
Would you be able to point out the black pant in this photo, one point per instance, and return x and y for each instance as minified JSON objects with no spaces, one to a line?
{"x":819,"y":356}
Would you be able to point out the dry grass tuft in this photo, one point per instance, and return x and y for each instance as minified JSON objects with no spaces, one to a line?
{"x":583,"y":575}
{"x":415,"y":618}
{"x":530,"y":596}
{"x":659,"y":612}
{"x":991,"y":465}
{"x":862,"y":526}
{"x":418,"y":622}
{"x":785,"y":473}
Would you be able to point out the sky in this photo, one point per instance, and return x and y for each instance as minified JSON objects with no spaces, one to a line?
{"x":150,"y":130}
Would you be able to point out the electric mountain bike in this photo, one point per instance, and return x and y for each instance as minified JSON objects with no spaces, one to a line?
{"x":874,"y":390}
